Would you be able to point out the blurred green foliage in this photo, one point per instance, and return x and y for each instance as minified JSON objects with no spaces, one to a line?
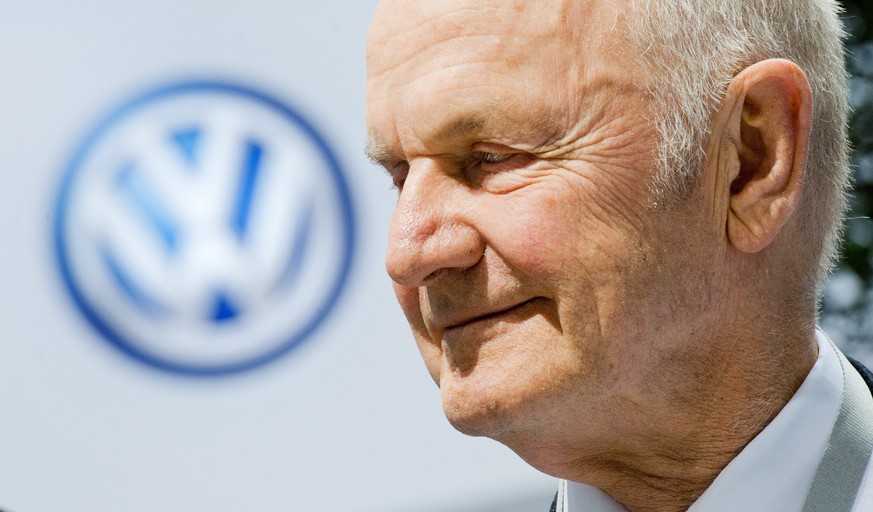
{"x":847,"y":312}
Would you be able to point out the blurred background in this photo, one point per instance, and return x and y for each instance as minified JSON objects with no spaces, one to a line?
{"x":847,"y":310}
{"x":167,"y":344}
{"x":195,"y":313}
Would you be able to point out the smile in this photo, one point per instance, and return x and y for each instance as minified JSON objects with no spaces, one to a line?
{"x":492,"y":315}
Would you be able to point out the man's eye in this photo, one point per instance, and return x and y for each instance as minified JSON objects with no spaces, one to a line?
{"x":494,"y":158}
{"x":398,"y":174}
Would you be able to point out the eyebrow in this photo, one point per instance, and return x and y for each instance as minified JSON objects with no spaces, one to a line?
{"x":378,"y":154}
{"x":461,"y":126}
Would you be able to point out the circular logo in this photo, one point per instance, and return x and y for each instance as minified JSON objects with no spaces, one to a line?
{"x":204,"y":228}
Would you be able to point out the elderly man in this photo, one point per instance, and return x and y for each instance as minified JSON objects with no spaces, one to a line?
{"x":613,"y":219}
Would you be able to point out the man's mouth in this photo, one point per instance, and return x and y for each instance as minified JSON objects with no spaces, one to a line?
{"x":495,"y":313}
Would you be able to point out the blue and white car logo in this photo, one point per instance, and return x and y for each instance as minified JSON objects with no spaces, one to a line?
{"x":204,"y":228}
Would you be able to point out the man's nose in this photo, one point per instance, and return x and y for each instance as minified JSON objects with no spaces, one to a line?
{"x":431,"y":231}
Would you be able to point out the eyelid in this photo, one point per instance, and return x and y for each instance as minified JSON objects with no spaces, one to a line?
{"x":491,"y":157}
{"x":489,"y":153}
{"x":398,"y":173}
{"x":493,"y":147}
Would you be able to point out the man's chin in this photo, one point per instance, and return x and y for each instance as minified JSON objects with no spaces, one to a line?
{"x":477,"y":411}
{"x":483,"y":421}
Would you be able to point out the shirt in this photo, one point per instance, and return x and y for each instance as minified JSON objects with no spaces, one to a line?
{"x":775,"y":470}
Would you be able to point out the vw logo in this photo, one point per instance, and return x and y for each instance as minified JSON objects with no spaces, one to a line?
{"x":204,"y":228}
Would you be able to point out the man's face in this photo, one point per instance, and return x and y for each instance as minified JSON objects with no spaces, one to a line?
{"x":540,"y":283}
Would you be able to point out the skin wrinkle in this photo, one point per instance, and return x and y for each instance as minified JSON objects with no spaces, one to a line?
{"x":423,"y":56}
{"x":567,"y":148}
{"x":427,"y":27}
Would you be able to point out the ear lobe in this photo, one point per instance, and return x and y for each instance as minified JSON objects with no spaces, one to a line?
{"x":771,"y":138}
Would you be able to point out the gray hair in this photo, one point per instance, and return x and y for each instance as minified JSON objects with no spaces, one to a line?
{"x":714,"y":40}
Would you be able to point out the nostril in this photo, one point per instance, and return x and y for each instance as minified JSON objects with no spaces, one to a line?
{"x":434,"y":276}
{"x":430,"y":255}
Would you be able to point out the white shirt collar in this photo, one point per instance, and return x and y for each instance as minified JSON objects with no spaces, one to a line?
{"x":774,"y":471}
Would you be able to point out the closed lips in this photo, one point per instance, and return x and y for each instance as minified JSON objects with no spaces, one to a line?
{"x":487,"y":315}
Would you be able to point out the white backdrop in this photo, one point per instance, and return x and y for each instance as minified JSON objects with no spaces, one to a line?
{"x":348,"y":421}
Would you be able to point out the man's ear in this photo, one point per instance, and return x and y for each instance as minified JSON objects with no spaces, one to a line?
{"x":763,"y":131}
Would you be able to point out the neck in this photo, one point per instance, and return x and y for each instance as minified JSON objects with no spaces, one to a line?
{"x":665,"y":457}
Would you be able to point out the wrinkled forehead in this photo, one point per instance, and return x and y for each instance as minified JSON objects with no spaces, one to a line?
{"x":404,"y":31}
{"x":538,"y":68}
